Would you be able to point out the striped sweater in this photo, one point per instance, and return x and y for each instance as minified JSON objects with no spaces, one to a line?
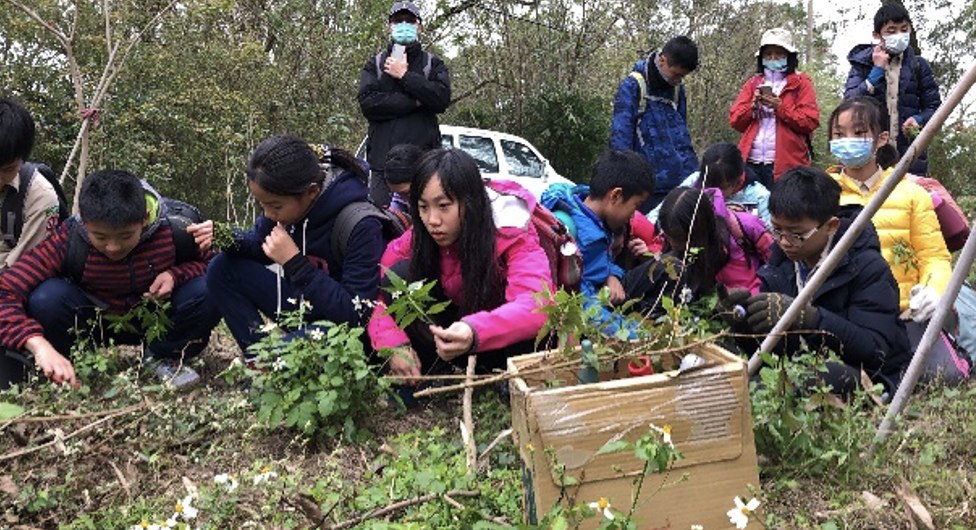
{"x":116,"y":286}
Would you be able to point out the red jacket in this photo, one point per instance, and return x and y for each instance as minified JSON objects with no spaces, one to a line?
{"x":796,"y":118}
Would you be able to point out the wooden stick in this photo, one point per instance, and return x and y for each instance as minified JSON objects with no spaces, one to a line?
{"x":470,"y":447}
{"x":606,"y":357}
{"x":399,"y":506}
{"x":482,"y":458}
{"x":70,"y":417}
{"x":90,"y":426}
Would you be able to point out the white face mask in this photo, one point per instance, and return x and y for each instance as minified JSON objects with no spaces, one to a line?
{"x":897,"y":43}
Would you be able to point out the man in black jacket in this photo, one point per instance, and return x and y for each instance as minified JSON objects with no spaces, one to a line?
{"x":855,"y":312}
{"x":401,"y":96}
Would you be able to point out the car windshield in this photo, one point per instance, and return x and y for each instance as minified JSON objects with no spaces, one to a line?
{"x":482,"y":150}
{"x":521,"y":160}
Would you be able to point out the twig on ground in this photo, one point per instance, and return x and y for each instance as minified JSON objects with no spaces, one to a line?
{"x":482,"y":458}
{"x":90,"y":426}
{"x":399,"y":506}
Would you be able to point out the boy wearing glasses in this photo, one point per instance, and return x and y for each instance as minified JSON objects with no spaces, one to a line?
{"x":855,"y":312}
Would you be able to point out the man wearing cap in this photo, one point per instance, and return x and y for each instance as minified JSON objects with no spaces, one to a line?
{"x":776,"y":111}
{"x":401,"y":96}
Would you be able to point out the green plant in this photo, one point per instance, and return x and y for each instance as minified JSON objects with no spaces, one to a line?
{"x":223,"y":236}
{"x":411,"y":301}
{"x":314,"y":378}
{"x":148,"y":316}
{"x":903,"y":254}
{"x":801,"y":427}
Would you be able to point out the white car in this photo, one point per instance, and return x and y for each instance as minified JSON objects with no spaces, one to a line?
{"x":500,"y":156}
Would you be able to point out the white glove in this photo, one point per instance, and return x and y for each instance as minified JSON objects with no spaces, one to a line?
{"x":922,"y":302}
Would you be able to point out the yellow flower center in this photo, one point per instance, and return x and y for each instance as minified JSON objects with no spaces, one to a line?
{"x":745,"y":511}
{"x":144,"y":523}
{"x":603,"y":503}
{"x":179,"y":507}
{"x":266,"y":469}
{"x":666,"y":429}
{"x":529,"y":447}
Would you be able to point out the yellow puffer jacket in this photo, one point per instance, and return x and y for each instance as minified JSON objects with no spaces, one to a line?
{"x":906,"y":220}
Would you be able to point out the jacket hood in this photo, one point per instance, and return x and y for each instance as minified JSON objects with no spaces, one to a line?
{"x":560,"y":192}
{"x":343,"y":189}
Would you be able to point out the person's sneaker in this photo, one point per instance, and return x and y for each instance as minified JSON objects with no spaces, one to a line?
{"x":170,"y":371}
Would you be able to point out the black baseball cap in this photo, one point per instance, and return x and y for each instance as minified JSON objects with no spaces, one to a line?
{"x":409,"y":7}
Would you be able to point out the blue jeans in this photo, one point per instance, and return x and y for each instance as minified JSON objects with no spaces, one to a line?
{"x":59,"y":305}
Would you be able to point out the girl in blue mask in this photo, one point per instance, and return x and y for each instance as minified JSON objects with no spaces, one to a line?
{"x":907,"y":226}
{"x":776,"y":111}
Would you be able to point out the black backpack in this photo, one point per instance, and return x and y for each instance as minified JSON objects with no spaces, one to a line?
{"x":12,"y":209}
{"x":394,"y":224}
{"x":178,"y":215}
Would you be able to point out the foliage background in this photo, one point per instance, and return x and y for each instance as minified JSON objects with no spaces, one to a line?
{"x":216,"y":76}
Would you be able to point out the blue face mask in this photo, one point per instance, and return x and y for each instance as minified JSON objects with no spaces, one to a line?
{"x":774,"y":65}
{"x":404,"y":33}
{"x":852,"y":152}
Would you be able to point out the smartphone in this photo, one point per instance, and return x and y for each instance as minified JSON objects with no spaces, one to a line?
{"x":765,"y":90}
{"x":398,"y":52}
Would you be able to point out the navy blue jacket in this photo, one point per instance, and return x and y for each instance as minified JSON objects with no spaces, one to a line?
{"x":661,"y":134}
{"x":328,"y":285}
{"x":858,"y":304}
{"x":918,"y":93}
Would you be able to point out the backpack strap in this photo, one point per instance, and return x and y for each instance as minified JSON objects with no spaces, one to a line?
{"x":642,"y":92}
{"x":76,"y":253}
{"x":349,"y":216}
{"x":428,"y":61}
{"x":12,"y":209}
{"x":428,"y":58}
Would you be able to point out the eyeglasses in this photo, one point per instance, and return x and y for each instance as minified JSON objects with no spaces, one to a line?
{"x":795,"y":240}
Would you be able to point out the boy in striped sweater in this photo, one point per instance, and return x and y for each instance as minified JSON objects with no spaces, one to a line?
{"x":127,"y":248}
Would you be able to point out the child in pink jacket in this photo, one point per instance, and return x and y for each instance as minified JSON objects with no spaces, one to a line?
{"x":478,"y":242}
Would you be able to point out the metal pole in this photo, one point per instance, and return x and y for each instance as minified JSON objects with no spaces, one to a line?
{"x":931,"y":334}
{"x":861,"y":222}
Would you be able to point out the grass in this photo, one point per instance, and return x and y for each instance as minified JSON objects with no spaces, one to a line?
{"x":104,"y":469}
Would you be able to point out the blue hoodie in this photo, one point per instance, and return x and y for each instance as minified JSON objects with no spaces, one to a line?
{"x":594,"y":240}
{"x":328,"y":285}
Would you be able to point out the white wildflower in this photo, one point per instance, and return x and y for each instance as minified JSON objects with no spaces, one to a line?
{"x":268,"y":327}
{"x":227,"y":480}
{"x":665,"y":433}
{"x":316,"y":335}
{"x":278,"y":365}
{"x":185,"y":509}
{"x":686,"y":295}
{"x":739,"y":515}
{"x":395,"y":294}
{"x":265,"y":475}
{"x":293,"y":301}
{"x":602,"y":505}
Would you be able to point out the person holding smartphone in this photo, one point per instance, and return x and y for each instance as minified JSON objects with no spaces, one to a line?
{"x":776,"y":111}
{"x":402,"y":89}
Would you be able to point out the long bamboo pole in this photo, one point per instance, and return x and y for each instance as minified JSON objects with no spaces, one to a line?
{"x":959,"y":273}
{"x":861,"y":222}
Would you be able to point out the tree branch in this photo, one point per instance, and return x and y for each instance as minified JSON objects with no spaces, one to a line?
{"x":399,"y":506}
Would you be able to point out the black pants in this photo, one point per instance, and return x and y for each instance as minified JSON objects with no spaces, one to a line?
{"x":379,"y":191}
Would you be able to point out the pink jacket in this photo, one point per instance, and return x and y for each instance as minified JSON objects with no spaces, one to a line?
{"x":744,"y":229}
{"x":527,"y":266}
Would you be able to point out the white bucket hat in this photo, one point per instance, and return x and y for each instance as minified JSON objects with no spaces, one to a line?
{"x":777,"y":37}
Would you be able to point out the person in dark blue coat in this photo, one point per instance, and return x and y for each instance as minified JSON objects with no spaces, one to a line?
{"x":879,"y":69}
{"x":650,"y":116}
{"x":286,"y":258}
{"x":855,"y":312}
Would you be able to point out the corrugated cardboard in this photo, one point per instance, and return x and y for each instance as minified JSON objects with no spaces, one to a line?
{"x":707,"y":408}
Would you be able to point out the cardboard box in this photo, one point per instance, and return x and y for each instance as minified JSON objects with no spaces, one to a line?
{"x":707,"y":408}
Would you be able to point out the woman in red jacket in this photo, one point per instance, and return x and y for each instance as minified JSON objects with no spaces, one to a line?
{"x":776,"y":111}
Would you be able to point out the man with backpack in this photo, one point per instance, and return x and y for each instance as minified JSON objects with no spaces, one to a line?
{"x":128,"y":243}
{"x":401,"y":91}
{"x":29,"y":205}
{"x":650,"y":116}
{"x":892,"y":72}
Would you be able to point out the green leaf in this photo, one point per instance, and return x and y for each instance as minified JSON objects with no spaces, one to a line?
{"x":10,"y":410}
{"x":613,"y":446}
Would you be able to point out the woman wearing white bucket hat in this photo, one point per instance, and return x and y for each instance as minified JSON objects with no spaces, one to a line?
{"x":776,"y":111}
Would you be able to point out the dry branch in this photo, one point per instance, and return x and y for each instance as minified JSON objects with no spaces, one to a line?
{"x":399,"y":506}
